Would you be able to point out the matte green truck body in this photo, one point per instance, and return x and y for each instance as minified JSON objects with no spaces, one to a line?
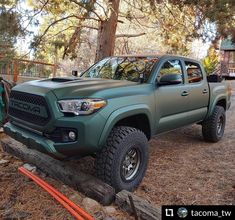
{"x":149,"y":106}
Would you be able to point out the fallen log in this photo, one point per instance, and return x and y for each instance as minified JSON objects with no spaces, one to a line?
{"x":144,"y":209}
{"x":85,"y":183}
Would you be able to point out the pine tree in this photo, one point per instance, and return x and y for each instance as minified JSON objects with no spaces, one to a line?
{"x":10,"y":27}
{"x":177,"y":21}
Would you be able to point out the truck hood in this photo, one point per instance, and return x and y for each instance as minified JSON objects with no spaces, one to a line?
{"x":65,"y":88}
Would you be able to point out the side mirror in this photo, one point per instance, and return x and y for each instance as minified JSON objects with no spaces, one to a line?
{"x":74,"y":73}
{"x":170,"y":79}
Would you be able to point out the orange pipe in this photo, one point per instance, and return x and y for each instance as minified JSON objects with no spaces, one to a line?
{"x":73,"y":205}
{"x":69,"y":205}
{"x":61,"y":201}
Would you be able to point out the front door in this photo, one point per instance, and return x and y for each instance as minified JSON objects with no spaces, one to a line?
{"x":171,"y":100}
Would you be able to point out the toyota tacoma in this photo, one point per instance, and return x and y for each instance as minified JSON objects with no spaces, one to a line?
{"x":114,"y":108}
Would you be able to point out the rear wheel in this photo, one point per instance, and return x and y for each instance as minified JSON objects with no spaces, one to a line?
{"x":213,"y":127}
{"x":123,"y":161}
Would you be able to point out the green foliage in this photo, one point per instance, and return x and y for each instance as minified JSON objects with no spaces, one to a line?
{"x":69,"y":25}
{"x":210,"y":62}
{"x":10,"y":27}
{"x":221,"y":13}
{"x":61,"y":29}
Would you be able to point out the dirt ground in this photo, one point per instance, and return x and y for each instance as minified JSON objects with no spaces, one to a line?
{"x":20,"y":198}
{"x":183,"y":169}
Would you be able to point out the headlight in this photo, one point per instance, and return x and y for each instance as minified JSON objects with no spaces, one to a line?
{"x":81,"y":106}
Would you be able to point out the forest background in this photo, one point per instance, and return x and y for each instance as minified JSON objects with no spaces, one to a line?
{"x":76,"y":33}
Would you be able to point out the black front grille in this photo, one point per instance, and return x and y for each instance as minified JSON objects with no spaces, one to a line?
{"x":28,"y":107}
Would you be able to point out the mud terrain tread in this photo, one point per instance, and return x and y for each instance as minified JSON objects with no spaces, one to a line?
{"x":104,"y":159}
{"x":209,"y":126}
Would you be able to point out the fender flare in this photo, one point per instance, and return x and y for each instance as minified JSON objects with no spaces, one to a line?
{"x":215,"y":101}
{"x":122,"y":113}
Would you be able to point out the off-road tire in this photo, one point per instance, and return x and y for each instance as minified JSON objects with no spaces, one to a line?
{"x":109,"y":162}
{"x":210,"y":129}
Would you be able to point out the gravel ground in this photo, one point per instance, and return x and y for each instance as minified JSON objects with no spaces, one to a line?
{"x":183,"y":169}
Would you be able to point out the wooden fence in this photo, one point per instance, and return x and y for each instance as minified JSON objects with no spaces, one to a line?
{"x":18,"y":70}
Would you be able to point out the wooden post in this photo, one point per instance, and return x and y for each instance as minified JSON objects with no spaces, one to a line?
{"x":15,"y":71}
{"x":144,"y":210}
{"x":8,"y":68}
{"x":54,"y":70}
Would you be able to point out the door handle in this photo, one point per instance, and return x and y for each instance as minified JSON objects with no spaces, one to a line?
{"x":205,"y":91}
{"x":184,"y":93}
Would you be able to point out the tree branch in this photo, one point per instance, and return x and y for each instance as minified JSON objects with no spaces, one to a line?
{"x":89,"y":27}
{"x":102,"y":9}
{"x":57,"y":21}
{"x":38,"y":12}
{"x":48,"y":28}
{"x":129,"y":35}
{"x":82,"y":5}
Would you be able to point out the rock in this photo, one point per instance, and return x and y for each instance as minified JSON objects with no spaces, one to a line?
{"x":99,"y":215}
{"x":109,"y":210}
{"x":2,"y":161}
{"x":30,"y":167}
{"x":90,"y":205}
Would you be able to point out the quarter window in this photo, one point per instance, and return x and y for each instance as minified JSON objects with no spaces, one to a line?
{"x":194,"y":72}
{"x":171,"y":67}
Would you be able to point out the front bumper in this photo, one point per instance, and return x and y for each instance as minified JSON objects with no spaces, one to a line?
{"x":89,"y":131}
{"x":32,"y":140}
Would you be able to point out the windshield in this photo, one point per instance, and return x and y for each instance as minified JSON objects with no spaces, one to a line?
{"x":122,"y":68}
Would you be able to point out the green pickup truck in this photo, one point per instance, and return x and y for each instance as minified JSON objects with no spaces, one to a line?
{"x":114,"y":108}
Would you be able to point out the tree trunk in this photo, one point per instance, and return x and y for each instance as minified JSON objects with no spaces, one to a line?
{"x":107,"y":31}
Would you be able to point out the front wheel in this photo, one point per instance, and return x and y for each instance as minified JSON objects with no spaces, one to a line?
{"x":123,"y":160}
{"x":213,"y":127}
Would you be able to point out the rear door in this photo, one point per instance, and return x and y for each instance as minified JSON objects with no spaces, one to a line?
{"x":198,"y":89}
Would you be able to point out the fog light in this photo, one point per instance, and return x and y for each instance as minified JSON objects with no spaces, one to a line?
{"x":72,"y":135}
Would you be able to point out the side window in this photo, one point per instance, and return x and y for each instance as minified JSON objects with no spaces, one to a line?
{"x":171,"y":67}
{"x":194,"y":72}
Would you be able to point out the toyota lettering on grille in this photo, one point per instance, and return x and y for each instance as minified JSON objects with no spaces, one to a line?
{"x":28,"y":107}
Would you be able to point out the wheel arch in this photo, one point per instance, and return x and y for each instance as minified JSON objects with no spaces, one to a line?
{"x":222,"y":103}
{"x":132,"y":116}
{"x":218,"y":101}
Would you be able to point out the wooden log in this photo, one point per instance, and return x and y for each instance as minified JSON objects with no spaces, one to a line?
{"x":85,"y":183}
{"x":144,"y":209}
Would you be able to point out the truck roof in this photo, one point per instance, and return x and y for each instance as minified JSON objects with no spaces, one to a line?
{"x":154,"y":56}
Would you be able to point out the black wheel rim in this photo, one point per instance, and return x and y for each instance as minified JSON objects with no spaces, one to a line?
{"x":130,"y":164}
